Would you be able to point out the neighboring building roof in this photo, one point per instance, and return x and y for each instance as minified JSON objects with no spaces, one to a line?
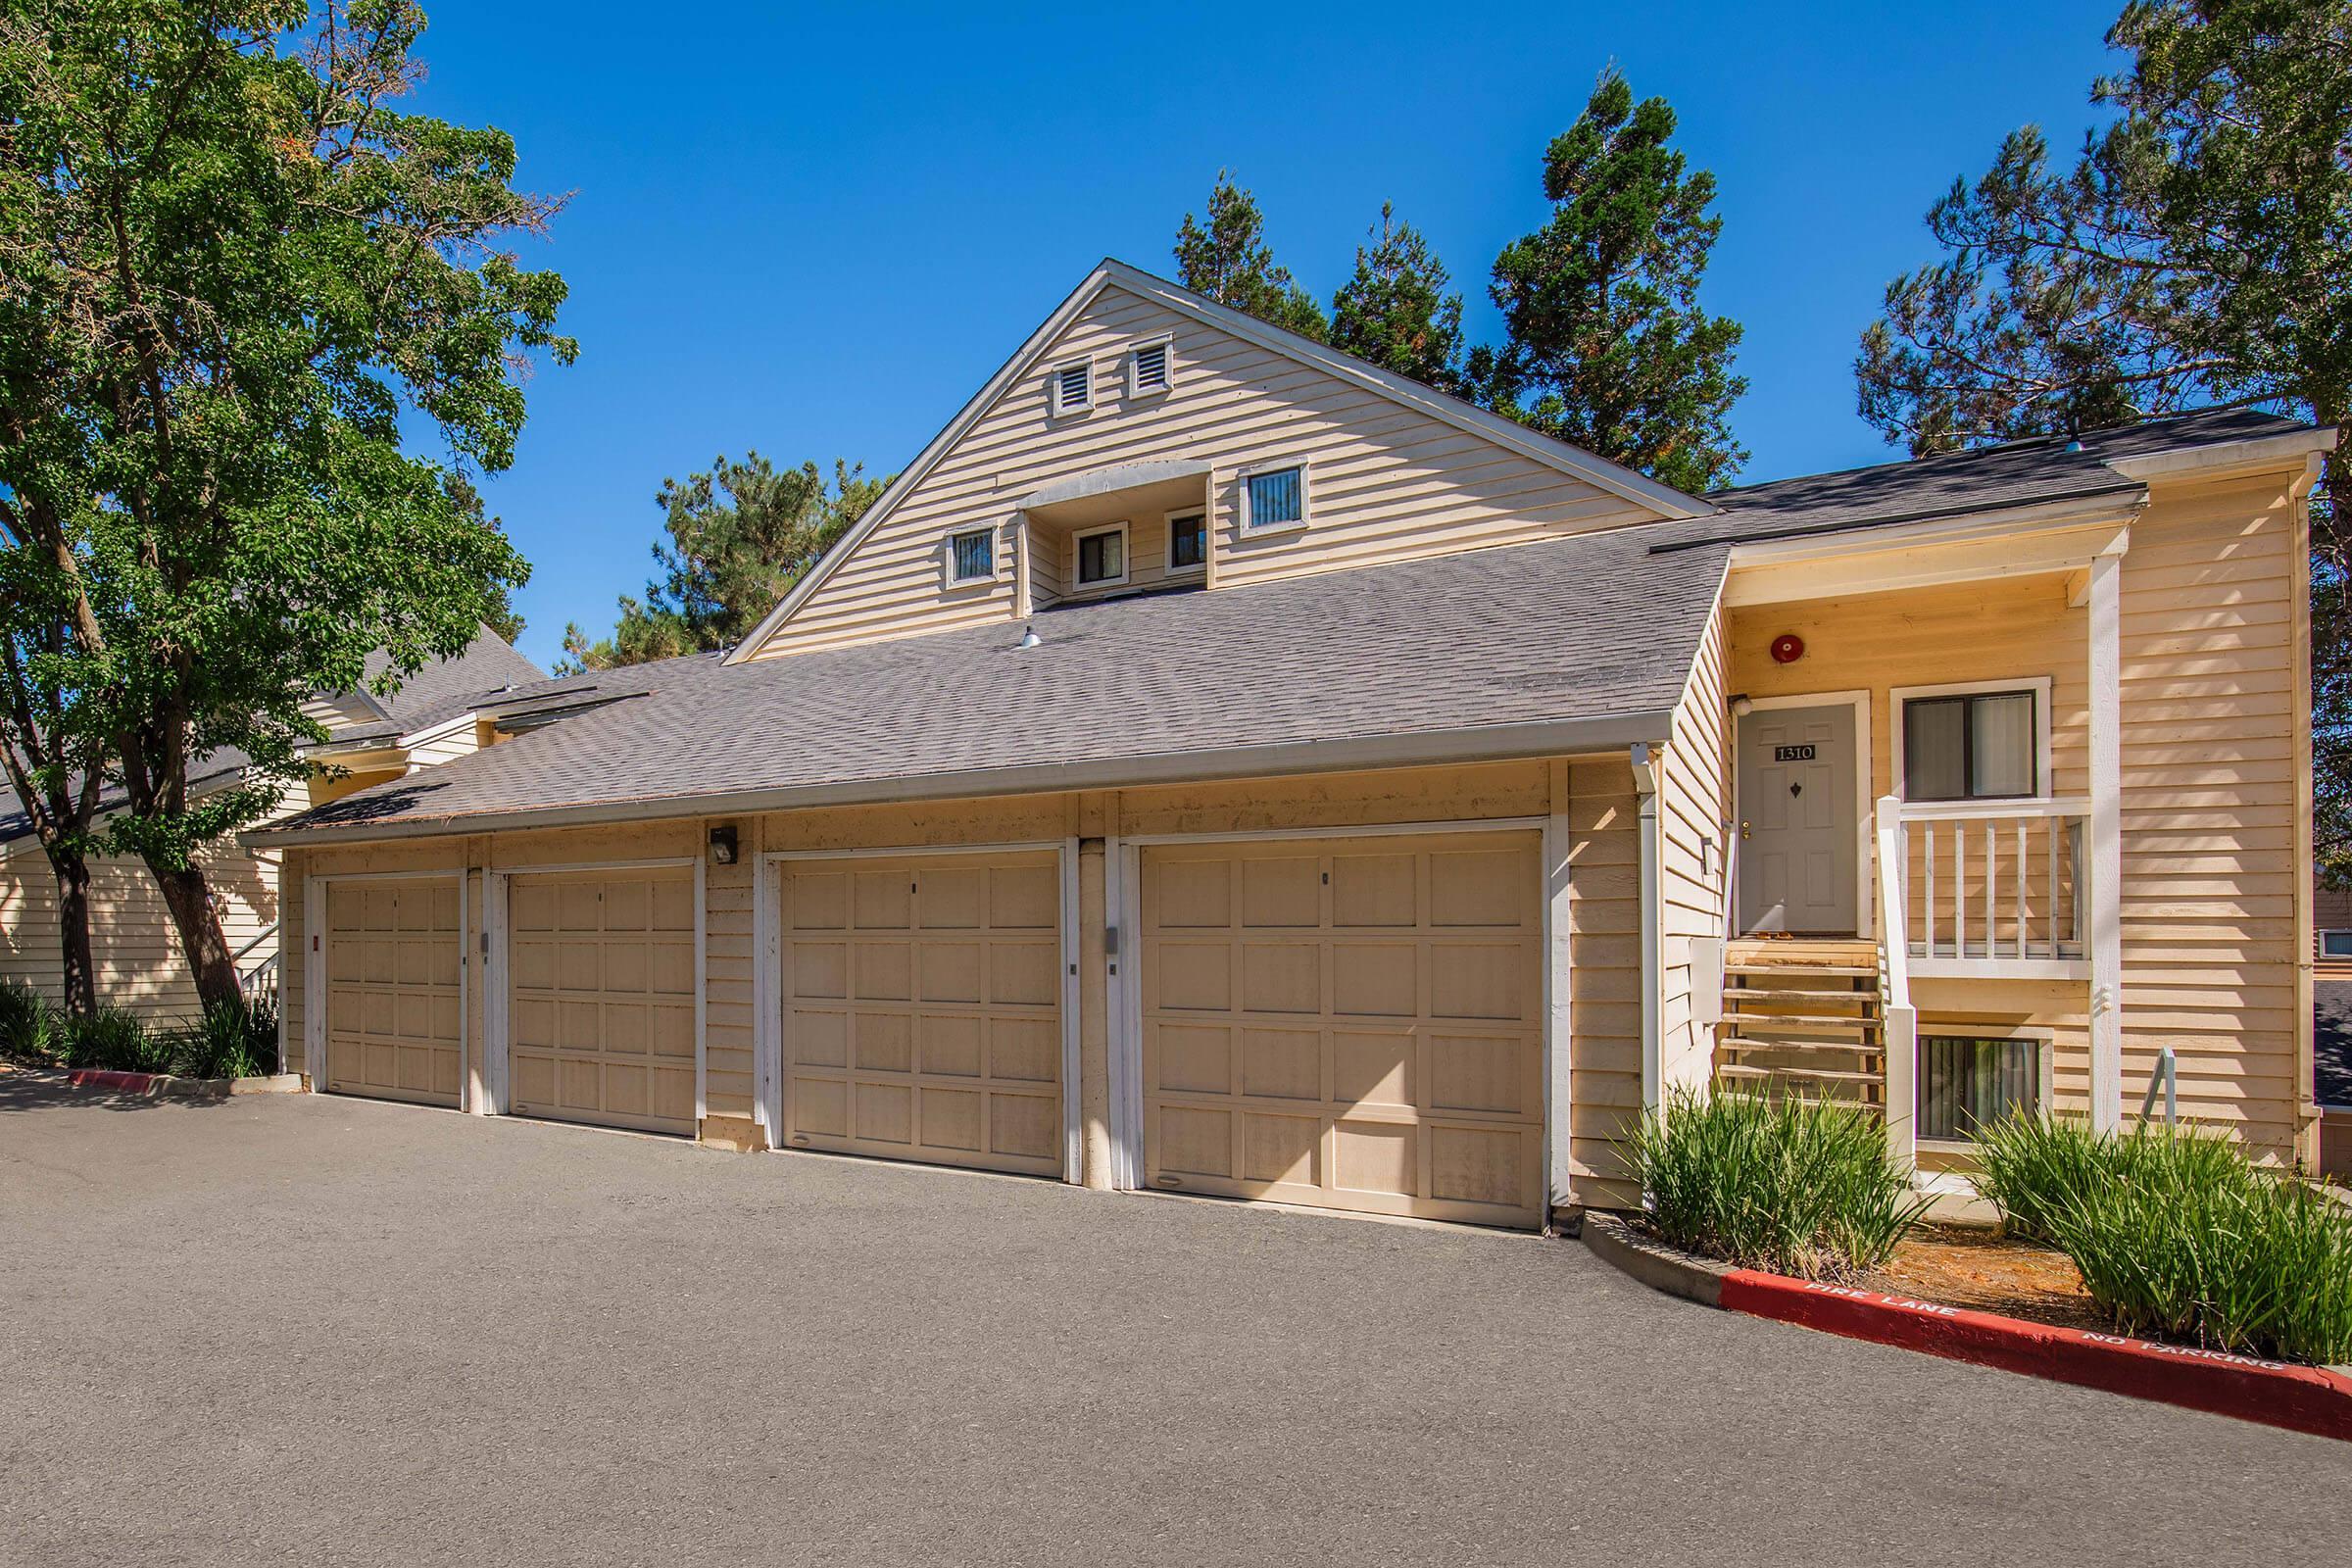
{"x":16,"y":822}
{"x":1570,"y":644}
{"x":2014,"y":473}
{"x":443,"y":689}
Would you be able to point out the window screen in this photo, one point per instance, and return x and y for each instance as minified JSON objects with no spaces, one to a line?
{"x":1187,"y":541}
{"x":1276,"y":496}
{"x":975,"y":554}
{"x":1976,"y":747}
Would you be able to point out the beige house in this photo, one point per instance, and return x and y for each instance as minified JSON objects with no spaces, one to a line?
{"x":1217,"y":766}
{"x":133,"y":944}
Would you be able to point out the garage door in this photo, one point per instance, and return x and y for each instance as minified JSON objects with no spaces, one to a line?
{"x":395,"y":1009}
{"x":1348,"y":1023}
{"x":600,"y":1018}
{"x":922,"y":1008}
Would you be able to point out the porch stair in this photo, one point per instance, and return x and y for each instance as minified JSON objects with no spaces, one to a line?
{"x":1803,"y":1016}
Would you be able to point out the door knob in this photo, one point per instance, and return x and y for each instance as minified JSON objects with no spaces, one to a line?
{"x":1743,"y":830}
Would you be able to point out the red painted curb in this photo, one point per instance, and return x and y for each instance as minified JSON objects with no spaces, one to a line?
{"x":2301,"y":1398}
{"x":130,"y":1082}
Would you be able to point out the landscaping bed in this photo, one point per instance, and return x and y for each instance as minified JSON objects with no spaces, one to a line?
{"x":233,"y":1039}
{"x":1980,"y":1269}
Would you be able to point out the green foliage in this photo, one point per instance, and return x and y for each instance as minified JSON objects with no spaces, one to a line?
{"x":1607,"y":344}
{"x":739,"y":537}
{"x":2193,"y":252}
{"x":2178,"y":1236}
{"x":1227,"y":260}
{"x":233,"y":1039}
{"x":233,"y":262}
{"x":1395,"y":312}
{"x":1798,"y":1186}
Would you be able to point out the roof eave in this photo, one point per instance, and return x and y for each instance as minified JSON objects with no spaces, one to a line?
{"x":1420,"y":748}
{"x":2216,"y":459}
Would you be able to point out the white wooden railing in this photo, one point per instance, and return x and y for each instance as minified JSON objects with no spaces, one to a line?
{"x":1899,"y":1019}
{"x":1990,"y":887}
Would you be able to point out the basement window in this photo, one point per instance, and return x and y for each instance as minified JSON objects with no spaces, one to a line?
{"x":1072,"y":387}
{"x":1966,"y":1082}
{"x":1103,"y":557}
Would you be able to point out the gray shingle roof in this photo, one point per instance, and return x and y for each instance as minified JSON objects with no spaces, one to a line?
{"x":2014,"y":473}
{"x":444,"y":689}
{"x":1594,"y":628}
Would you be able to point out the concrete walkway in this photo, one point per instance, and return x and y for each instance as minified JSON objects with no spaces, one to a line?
{"x":295,"y":1329}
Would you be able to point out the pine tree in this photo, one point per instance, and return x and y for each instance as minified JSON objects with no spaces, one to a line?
{"x":1396,"y":311}
{"x":1606,"y":345}
{"x":1227,"y":260}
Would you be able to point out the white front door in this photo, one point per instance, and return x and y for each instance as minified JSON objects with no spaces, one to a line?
{"x":1797,"y":827}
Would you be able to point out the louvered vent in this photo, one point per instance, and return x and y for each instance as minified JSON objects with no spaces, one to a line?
{"x":1070,"y":389}
{"x":1149,"y":368}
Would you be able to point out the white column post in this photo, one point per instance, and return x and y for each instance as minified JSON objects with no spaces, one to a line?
{"x":1559,"y":842}
{"x":1653,"y":977}
{"x":2105,"y":853}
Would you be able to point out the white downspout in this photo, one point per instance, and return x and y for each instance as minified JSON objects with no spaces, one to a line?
{"x":1653,"y":979}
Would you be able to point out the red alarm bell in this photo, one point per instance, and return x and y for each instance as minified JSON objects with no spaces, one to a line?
{"x":1788,"y":648}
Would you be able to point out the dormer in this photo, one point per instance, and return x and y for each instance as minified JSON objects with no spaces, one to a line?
{"x":1131,"y":528}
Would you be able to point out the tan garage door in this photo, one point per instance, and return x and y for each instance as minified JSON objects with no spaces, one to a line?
{"x":395,"y":1011}
{"x":600,"y":1020}
{"x":1348,"y":1023}
{"x":922,"y":1008}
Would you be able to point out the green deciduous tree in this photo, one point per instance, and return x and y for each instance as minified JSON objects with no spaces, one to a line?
{"x":1396,"y":311}
{"x":2194,"y":251}
{"x":230,"y":262}
{"x":1226,"y":259}
{"x":738,"y":537}
{"x":1606,"y":345}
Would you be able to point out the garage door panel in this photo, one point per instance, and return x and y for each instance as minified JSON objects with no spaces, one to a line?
{"x":393,"y":992}
{"x":600,"y":1008}
{"x":930,"y":989}
{"x":1346,"y":1023}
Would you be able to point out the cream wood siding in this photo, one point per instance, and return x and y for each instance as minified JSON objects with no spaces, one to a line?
{"x":460,"y":742}
{"x":599,"y":1015}
{"x":922,"y":1008}
{"x":1351,"y":1023}
{"x":1387,"y":482}
{"x":140,"y":964}
{"x":1694,"y":802}
{"x":2212,"y":728}
{"x":395,"y":1018}
{"x":727,"y":1022}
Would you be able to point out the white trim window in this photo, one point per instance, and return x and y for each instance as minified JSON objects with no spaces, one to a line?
{"x":1274,"y":498}
{"x":1982,"y":741}
{"x":2335,"y":943}
{"x":1152,"y":367}
{"x":1967,"y":1082}
{"x":1187,"y":540}
{"x":1070,"y":388}
{"x":1099,"y":556}
{"x":968,"y":556}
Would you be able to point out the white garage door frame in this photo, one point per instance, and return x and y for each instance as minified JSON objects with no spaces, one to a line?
{"x":315,"y":895}
{"x":767,"y":1036}
{"x":498,"y":890}
{"x":1123,"y":861}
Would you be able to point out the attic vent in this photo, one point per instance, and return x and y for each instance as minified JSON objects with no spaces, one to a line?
{"x":1147,"y":368}
{"x":1073,"y":387}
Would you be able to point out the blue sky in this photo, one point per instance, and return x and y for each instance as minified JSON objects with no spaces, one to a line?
{"x":815,"y":230}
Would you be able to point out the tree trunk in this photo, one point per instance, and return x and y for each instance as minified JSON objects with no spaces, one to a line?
{"x":190,"y":897}
{"x":79,"y":970}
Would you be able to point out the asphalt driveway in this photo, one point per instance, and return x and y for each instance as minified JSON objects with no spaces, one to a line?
{"x":325,"y":1331}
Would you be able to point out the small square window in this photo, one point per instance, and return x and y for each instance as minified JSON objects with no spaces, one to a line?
{"x":1966,"y":1083}
{"x":1072,"y":388}
{"x":1274,"y":498}
{"x":1187,"y":541}
{"x":1150,"y":368}
{"x":2335,"y":943}
{"x":972,"y":555}
{"x":1103,"y":557}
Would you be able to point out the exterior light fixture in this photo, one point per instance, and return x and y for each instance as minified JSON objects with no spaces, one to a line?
{"x":722,"y":843}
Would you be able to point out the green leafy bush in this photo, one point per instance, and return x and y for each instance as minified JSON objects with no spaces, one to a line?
{"x":233,"y":1039}
{"x":2178,"y":1236}
{"x":28,"y":1023}
{"x":1798,"y":1186}
{"x":116,"y":1039}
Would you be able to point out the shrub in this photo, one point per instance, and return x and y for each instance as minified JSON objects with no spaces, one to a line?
{"x":29,"y":1029}
{"x":2178,"y":1236}
{"x":114,"y":1038}
{"x":233,"y":1039}
{"x":1798,"y":1186}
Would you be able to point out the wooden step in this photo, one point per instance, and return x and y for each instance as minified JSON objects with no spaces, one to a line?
{"x":1798,"y":994}
{"x":1802,"y":971}
{"x":1811,"y":1075}
{"x":1801,"y":1020}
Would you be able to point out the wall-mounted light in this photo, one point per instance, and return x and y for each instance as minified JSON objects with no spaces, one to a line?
{"x":722,"y":843}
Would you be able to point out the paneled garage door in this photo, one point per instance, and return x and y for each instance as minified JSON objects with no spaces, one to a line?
{"x":600,"y":1019}
{"x":922,"y":1008}
{"x":395,"y":1008}
{"x":1351,"y":1023}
